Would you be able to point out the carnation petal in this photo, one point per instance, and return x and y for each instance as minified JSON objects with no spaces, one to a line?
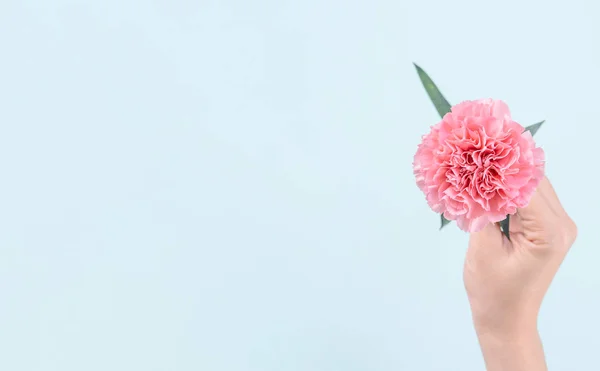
{"x":500,"y":110}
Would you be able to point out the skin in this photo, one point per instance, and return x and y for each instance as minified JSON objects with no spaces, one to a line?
{"x":506,"y":280}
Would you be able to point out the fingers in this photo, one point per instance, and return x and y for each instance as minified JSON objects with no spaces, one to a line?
{"x":544,"y":221}
{"x":552,"y":198}
{"x":535,"y":219}
{"x":543,"y":204}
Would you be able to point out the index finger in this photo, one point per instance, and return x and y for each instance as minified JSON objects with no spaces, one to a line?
{"x":544,"y":204}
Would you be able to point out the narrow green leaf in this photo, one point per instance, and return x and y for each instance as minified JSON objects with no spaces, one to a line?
{"x":535,"y":127}
{"x":504,"y":226}
{"x":440,"y":103}
{"x":444,"y":221}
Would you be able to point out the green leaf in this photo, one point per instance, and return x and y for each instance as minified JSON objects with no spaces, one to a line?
{"x":440,"y":103}
{"x":535,"y":127}
{"x":504,"y":226}
{"x":444,"y":221}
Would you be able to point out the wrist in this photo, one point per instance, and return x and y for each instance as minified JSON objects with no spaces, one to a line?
{"x":516,"y":351}
{"x":513,"y":334}
{"x":511,"y":344}
{"x":504,"y":320}
{"x":506,"y":327}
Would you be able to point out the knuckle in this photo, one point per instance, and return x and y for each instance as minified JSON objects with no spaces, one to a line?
{"x":569,"y":231}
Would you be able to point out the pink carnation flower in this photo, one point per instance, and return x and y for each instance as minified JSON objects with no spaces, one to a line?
{"x":478,"y":165}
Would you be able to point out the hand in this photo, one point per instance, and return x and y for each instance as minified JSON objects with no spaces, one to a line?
{"x":506,"y":280}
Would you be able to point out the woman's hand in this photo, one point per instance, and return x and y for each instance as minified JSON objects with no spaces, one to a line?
{"x":506,"y":280}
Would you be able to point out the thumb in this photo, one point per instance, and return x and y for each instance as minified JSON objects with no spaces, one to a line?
{"x":486,"y":247}
{"x":490,"y":234}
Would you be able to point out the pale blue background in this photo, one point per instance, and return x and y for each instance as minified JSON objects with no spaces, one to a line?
{"x":226,"y":185}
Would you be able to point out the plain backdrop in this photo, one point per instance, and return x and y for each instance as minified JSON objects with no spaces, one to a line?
{"x":227,"y":185}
